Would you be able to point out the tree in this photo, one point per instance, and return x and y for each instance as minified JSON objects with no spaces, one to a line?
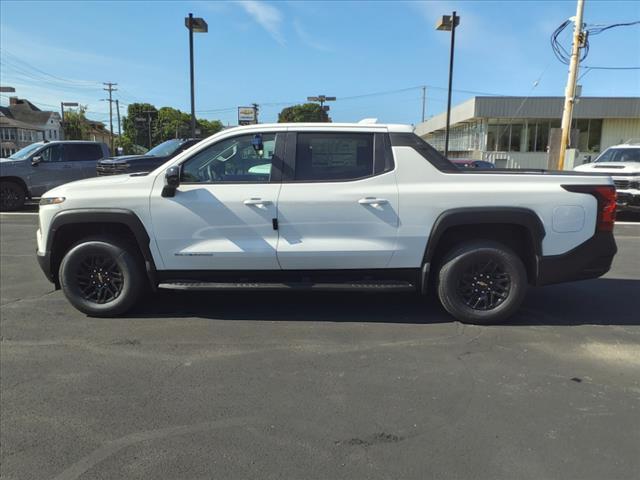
{"x":76,"y":126}
{"x":135,"y":125}
{"x":306,"y":112}
{"x":208,"y":127}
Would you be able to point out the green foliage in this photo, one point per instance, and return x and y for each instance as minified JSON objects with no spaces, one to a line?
{"x":208,"y":127}
{"x":135,"y":125}
{"x":306,"y":112}
{"x":166,"y":123}
{"x":125,"y":143}
{"x":76,"y":126}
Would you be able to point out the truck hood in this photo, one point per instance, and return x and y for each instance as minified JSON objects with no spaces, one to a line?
{"x":610,"y":168}
{"x":125,"y":159}
{"x":88,"y":184}
{"x":9,"y":161}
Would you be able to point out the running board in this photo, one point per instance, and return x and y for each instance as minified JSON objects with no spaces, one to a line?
{"x":397,"y":286}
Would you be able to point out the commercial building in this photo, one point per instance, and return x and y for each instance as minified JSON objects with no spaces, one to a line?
{"x":514,"y":132}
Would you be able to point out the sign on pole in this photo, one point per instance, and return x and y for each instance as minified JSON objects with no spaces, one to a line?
{"x":246,"y":116}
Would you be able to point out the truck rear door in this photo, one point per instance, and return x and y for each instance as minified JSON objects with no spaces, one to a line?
{"x":338,"y":205}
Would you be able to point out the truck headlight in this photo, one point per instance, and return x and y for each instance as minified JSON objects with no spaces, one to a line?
{"x":51,"y":200}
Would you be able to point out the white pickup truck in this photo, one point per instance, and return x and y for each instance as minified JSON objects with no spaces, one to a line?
{"x":362,"y":207}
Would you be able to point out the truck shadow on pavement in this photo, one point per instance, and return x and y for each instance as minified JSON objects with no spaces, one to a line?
{"x":604,"y":301}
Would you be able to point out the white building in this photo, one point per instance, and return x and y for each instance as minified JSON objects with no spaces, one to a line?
{"x":513,"y":132}
{"x":50,"y":123}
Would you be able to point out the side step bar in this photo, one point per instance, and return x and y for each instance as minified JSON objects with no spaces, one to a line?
{"x":382,"y":286}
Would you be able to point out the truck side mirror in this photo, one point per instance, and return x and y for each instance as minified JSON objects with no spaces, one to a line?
{"x":171,"y":181}
{"x":36,"y":160}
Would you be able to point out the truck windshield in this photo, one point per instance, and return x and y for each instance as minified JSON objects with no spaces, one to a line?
{"x":619,"y":155}
{"x":25,"y":152}
{"x":165,"y":148}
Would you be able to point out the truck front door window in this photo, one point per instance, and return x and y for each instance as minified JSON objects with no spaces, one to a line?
{"x":231,"y":160}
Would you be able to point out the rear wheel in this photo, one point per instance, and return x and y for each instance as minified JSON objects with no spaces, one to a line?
{"x":12,"y":196}
{"x":482,"y":282}
{"x":102,"y":276}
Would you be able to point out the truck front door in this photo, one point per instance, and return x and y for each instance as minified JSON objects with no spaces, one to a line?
{"x":223,"y":214}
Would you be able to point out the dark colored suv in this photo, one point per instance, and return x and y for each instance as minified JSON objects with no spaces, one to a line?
{"x":147,"y":162}
{"x":42,"y":166}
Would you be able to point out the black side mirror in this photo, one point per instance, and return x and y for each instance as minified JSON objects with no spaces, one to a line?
{"x":36,"y":160}
{"x":257,"y":144}
{"x":171,"y":181}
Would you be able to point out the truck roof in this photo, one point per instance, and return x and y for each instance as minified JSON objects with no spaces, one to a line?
{"x":391,"y":127}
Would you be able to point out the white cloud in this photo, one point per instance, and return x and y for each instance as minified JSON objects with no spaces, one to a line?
{"x":308,"y":39}
{"x":268,"y":16}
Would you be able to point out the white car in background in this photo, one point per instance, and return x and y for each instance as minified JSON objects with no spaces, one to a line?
{"x":622,"y":162}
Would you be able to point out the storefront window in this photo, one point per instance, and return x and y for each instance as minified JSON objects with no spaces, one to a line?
{"x":595,"y":135}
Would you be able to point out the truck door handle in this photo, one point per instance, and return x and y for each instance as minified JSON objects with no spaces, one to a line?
{"x":256,"y":201}
{"x":372,"y":201}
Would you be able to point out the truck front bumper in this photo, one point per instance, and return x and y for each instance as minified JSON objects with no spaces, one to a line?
{"x":590,"y":259}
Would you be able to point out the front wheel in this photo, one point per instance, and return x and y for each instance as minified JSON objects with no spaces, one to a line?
{"x":102,"y":276}
{"x":12,"y":196}
{"x":482,"y":282}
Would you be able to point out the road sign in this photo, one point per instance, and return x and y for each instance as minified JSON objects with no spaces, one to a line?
{"x":246,"y":116}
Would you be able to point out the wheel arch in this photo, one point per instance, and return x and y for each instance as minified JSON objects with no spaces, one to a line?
{"x":69,"y":226}
{"x":519,"y":228}
{"x":19,"y":181}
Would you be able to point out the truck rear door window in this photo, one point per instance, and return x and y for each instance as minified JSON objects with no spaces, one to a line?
{"x":333,"y":156}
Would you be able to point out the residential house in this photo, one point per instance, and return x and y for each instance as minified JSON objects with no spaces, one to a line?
{"x":15,"y":134}
{"x":49,"y":122}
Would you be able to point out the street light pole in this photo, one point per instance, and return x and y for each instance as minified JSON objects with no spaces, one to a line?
{"x":193,"y":99}
{"x":194,"y":25}
{"x":62,"y":105}
{"x":449,"y":23}
{"x":321,"y":99}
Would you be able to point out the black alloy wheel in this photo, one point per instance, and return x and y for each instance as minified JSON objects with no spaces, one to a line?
{"x":103,"y":275}
{"x":482,"y":282}
{"x":484,"y":285}
{"x":99,"y":278}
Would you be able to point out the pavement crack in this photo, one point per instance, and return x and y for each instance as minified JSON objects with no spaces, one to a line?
{"x":17,"y":300}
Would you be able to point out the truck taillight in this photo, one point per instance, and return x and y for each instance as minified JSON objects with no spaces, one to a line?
{"x":606,"y":197}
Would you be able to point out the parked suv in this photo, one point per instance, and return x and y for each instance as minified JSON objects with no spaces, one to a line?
{"x":42,"y":166}
{"x":622,"y":162}
{"x":147,"y":162}
{"x":359,"y":207}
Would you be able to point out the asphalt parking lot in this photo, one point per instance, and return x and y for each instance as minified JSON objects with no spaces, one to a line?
{"x":245,"y":385}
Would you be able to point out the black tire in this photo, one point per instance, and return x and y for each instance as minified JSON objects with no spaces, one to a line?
{"x":482,"y":282}
{"x":102,"y":276}
{"x":12,"y":196}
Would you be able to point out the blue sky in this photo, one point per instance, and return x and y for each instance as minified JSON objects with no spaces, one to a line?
{"x":278,"y":53}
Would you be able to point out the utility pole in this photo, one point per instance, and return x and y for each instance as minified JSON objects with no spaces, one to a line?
{"x":570,"y":91}
{"x":256,"y":109}
{"x":118,"y":112}
{"x":110,"y":89}
{"x":148,"y":113}
{"x":424,"y":101}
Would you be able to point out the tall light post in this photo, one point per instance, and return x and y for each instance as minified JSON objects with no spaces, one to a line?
{"x":198,"y":25}
{"x":321,"y":99}
{"x":62,"y":105}
{"x":448,"y":23}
